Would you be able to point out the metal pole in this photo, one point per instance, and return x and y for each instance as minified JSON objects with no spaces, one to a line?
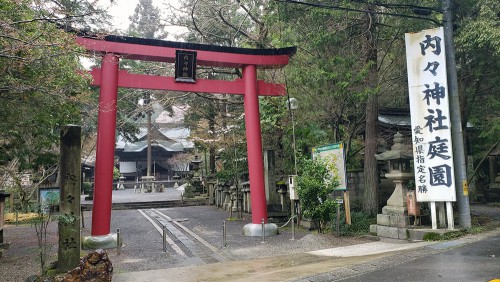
{"x":294,"y":146}
{"x":224,"y":234}
{"x":148,"y":161}
{"x":164,"y":238}
{"x":456,"y":121}
{"x":293,"y":219}
{"x":81,"y":213}
{"x":118,"y":242}
{"x":263,"y":231}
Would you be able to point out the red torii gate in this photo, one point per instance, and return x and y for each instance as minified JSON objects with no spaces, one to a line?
{"x":109,"y":78}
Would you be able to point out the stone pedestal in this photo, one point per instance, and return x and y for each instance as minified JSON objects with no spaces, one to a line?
{"x":218,"y":196}
{"x":283,"y":199}
{"x":227,"y":198}
{"x":110,"y":241}
{"x":255,"y":230}
{"x":120,"y":185}
{"x":393,"y":221}
{"x":247,"y":204}
{"x":211,"y":192}
{"x":147,"y":185}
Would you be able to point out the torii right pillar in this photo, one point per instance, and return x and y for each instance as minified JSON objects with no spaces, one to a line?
{"x":255,"y":160}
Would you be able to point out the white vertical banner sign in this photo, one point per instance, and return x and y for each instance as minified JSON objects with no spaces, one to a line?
{"x":430,"y":116}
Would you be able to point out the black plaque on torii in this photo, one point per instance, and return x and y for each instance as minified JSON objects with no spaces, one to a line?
{"x":185,"y":66}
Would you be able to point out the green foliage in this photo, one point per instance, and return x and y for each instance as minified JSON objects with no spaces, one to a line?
{"x":477,"y":41}
{"x":40,"y":90}
{"x":360,"y":223}
{"x":315,"y":190}
{"x":66,"y":219}
{"x":41,"y":223}
{"x":87,"y":186}
{"x":432,"y":236}
{"x":116,"y":173}
{"x":146,"y":21}
{"x":451,"y":235}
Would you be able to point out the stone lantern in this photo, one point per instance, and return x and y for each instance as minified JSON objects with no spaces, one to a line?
{"x":394,"y":218}
{"x":196,"y":163}
{"x":196,"y":176}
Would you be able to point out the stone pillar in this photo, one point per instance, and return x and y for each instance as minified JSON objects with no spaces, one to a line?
{"x":3,"y":195}
{"x":246,"y":188}
{"x":244,"y":192}
{"x":272,"y":197}
{"x":69,"y":222}
{"x":226,"y":197}
{"x":211,"y":192}
{"x":218,"y":196}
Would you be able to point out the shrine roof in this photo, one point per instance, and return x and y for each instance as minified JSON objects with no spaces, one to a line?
{"x":169,"y":139}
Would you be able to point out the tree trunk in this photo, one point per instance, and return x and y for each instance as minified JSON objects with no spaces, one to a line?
{"x":370,"y":199}
{"x":211,"y":127}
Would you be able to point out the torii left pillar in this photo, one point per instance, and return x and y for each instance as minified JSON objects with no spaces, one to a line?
{"x":103,"y":179}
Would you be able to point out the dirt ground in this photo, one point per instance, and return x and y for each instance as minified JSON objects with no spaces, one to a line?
{"x":20,"y":260}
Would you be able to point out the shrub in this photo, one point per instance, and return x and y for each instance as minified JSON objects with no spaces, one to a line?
{"x":315,"y":188}
{"x":360,"y":223}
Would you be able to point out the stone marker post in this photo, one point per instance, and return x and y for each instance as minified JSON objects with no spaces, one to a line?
{"x":272,"y":197}
{"x":69,"y":221}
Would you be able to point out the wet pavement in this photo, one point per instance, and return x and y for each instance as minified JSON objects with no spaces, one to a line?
{"x":195,"y":250}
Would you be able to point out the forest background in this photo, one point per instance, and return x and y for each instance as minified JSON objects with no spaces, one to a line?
{"x":350,"y":64}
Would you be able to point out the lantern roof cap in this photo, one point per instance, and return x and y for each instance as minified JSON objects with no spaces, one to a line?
{"x":398,"y":151}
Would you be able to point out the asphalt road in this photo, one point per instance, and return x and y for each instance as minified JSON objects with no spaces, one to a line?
{"x":479,"y":261}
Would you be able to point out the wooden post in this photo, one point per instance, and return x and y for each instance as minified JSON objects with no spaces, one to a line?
{"x":347,"y":206}
{"x":69,"y":222}
{"x":441,"y":215}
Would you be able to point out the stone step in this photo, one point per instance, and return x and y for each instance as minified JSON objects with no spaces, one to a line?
{"x":152,"y":205}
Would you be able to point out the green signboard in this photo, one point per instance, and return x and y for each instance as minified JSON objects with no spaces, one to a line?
{"x":334,"y":156}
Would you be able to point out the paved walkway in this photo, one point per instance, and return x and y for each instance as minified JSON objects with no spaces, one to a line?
{"x":196,"y":251}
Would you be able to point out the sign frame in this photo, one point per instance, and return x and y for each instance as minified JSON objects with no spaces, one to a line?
{"x":334,"y":154}
{"x":45,"y":194}
{"x":185,"y":66}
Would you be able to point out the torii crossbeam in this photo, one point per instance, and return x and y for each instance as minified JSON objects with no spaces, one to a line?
{"x":109,"y":78}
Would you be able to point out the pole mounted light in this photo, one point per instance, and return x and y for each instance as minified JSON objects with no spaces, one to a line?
{"x":292,"y":104}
